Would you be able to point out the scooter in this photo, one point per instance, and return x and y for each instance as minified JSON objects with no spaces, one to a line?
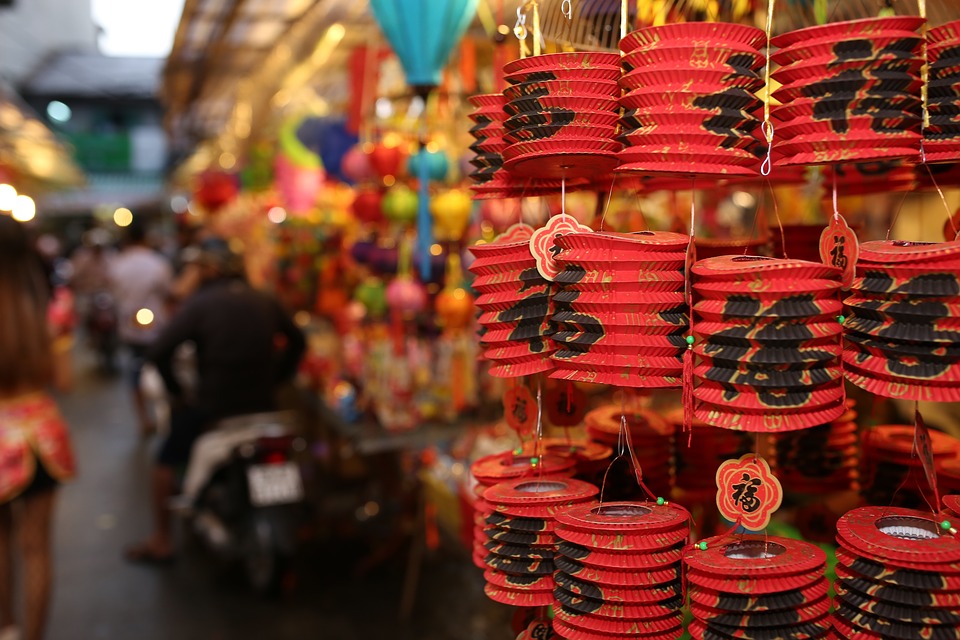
{"x":243,"y":492}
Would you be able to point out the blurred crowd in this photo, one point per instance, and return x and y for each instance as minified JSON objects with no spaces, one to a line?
{"x":176,"y":317}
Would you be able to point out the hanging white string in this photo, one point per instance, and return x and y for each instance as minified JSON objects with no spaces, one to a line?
{"x":566,"y":8}
{"x":563,"y":197}
{"x":520,"y":28}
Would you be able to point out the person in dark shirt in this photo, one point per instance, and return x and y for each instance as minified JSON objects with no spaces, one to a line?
{"x":245,"y":345}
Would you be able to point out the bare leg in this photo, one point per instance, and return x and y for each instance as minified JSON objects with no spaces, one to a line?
{"x":148,"y":426}
{"x":34,"y":528}
{"x":164,"y":482}
{"x":159,"y":546}
{"x":7,"y":614}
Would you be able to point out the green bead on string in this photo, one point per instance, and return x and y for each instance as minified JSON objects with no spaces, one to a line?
{"x":702,"y":546}
{"x":661,"y":501}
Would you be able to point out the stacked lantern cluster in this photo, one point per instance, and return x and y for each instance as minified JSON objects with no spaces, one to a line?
{"x":562,"y":115}
{"x":619,"y":571}
{"x":822,"y":459}
{"x":767,"y":343}
{"x":521,"y":541}
{"x":902,"y":330}
{"x":941,"y":137}
{"x":850,"y":91}
{"x":898,"y":576}
{"x":651,"y":438}
{"x":489,"y":177}
{"x":499,"y":467}
{"x":690,"y":106}
{"x":890,"y":471}
{"x":757,"y":587}
{"x":621,"y":314}
{"x":515,"y":307}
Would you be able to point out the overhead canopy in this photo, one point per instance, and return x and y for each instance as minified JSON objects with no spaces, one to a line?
{"x":232,"y":61}
{"x":30,"y":150}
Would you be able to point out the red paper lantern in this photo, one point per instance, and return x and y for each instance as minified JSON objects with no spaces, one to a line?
{"x":215,"y":189}
{"x":367,"y":205}
{"x":386,"y":160}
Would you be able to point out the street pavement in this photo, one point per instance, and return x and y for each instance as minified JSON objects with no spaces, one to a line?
{"x":100,"y":596}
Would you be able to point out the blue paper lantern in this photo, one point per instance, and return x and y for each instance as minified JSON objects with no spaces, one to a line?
{"x":328,"y":139}
{"x":437,"y":164}
{"x":423,"y":33}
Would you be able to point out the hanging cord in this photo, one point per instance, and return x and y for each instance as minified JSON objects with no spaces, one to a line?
{"x":776,"y":213}
{"x":896,"y":215}
{"x":943,"y":199}
{"x":606,"y":208}
{"x":538,"y":447}
{"x":686,"y":380}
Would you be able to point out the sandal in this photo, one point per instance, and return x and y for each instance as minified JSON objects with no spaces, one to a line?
{"x":145,"y":554}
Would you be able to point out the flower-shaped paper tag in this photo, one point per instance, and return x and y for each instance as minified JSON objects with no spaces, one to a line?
{"x":543,"y":248}
{"x":748,"y":492}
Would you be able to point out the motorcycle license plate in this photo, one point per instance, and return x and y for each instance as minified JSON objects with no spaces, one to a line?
{"x":274,"y":484}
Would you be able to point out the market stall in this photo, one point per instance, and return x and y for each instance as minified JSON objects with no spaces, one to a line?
{"x":655,"y":299}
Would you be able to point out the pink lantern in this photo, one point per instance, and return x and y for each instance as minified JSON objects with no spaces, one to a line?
{"x":406,"y":296}
{"x":298,"y":186}
{"x":356,"y":166}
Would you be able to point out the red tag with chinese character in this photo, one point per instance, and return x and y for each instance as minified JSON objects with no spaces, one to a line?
{"x":543,"y":248}
{"x":538,"y":630}
{"x":839,"y":247}
{"x":923,"y":449}
{"x":520,"y":410}
{"x":566,"y":404}
{"x":748,"y":492}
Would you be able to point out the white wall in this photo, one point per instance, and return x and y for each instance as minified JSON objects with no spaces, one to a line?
{"x":33,"y":28}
